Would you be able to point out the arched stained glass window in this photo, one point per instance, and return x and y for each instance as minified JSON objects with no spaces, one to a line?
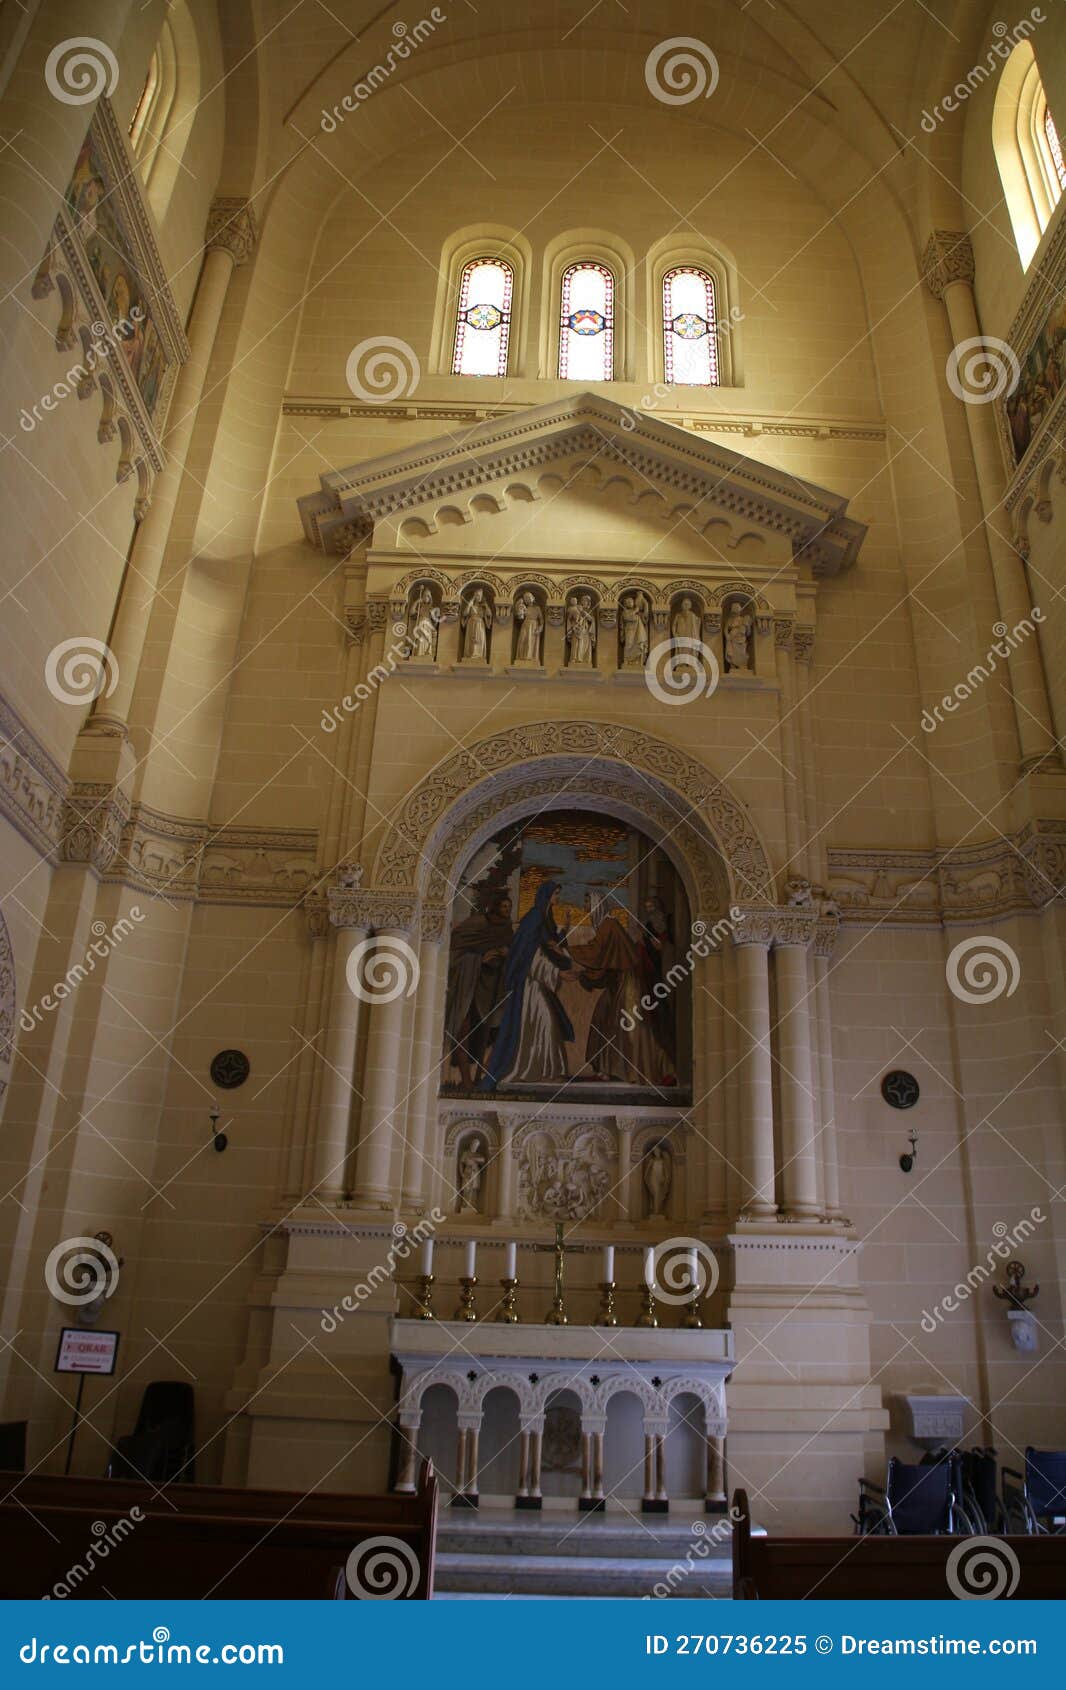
{"x":483,"y":321}
{"x":586,"y":324}
{"x":690,"y":331}
{"x":1054,"y":147}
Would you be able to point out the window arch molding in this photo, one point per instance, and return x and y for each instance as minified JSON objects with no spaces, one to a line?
{"x":162,"y":120}
{"x":593,"y":246}
{"x":482,"y":240}
{"x":1027,"y":167}
{"x":667,"y":255}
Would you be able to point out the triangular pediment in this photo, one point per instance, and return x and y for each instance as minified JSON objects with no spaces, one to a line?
{"x":453,"y":471}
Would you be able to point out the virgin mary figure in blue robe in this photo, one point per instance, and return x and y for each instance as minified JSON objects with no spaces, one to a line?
{"x":535,"y":1030}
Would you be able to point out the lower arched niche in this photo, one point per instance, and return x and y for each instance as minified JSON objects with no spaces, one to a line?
{"x":686,"y":1448}
{"x":623,"y":1478}
{"x":560,"y":1466}
{"x":498,"y":1453}
{"x":438,"y":1437}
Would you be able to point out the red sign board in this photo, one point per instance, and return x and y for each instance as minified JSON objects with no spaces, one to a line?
{"x":86,"y":1352}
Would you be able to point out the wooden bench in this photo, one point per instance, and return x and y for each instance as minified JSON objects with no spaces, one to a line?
{"x":872,"y":1568}
{"x":79,"y":1537}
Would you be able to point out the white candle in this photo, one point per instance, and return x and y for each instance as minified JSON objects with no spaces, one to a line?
{"x":509,"y":1262}
{"x":471,"y":1252}
{"x":427,"y":1257}
{"x":693,"y":1269}
{"x":608,"y":1263}
{"x":649,"y":1265}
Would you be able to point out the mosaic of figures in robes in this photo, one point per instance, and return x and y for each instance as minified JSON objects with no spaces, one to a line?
{"x":563,"y":923}
{"x":98,"y":221}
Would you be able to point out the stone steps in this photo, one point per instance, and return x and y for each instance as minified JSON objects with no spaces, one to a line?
{"x":500,"y":1553}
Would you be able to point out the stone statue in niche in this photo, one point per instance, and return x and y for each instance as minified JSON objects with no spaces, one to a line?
{"x":581,"y":631}
{"x":421,"y":626}
{"x":471,"y":1172}
{"x":737,"y":634}
{"x":658,"y":1177}
{"x":687,"y":625}
{"x":633,"y":631}
{"x":476,"y":621}
{"x":530,"y":620}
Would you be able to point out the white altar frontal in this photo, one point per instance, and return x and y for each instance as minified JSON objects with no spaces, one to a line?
{"x":571,"y":1414}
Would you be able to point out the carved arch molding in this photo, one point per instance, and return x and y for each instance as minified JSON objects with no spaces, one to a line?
{"x":478,"y":790}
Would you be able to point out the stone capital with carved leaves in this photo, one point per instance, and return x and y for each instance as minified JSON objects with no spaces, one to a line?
{"x":948,"y":258}
{"x":231,"y":227}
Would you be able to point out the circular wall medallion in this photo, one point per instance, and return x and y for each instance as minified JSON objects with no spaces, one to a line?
{"x":900,"y":1089}
{"x":230,"y":1068}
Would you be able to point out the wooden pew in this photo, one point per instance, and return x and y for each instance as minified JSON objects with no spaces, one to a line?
{"x":78,"y":1537}
{"x":873,"y":1568}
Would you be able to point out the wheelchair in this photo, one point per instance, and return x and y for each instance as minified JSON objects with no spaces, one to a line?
{"x":1034,"y":1502}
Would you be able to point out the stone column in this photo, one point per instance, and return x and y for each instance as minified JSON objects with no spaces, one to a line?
{"x":799,"y":1172}
{"x":406,"y":1477}
{"x":505,"y":1184}
{"x":625,"y":1171}
{"x":586,"y":1469}
{"x":523,"y":1464}
{"x":649,"y":1469}
{"x":755,"y":1081}
{"x":824,"y":943}
{"x":332,"y":1136}
{"x":715,"y":1498}
{"x":597,"y":1466}
{"x":536,"y":1445}
{"x":425,"y":1057}
{"x":795,"y":834}
{"x":711,"y":1085}
{"x":230,"y":241}
{"x":948,"y":268}
{"x":374,"y":1183}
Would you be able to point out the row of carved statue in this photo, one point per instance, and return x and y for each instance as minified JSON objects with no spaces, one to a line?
{"x":589,"y":624}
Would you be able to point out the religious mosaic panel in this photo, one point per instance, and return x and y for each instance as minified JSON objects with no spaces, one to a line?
{"x":566,"y":927}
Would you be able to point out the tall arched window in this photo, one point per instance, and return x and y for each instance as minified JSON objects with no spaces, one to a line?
{"x":586,"y":323}
{"x":1026,"y":142}
{"x":690,"y":328}
{"x":483,"y":319}
{"x":139,"y":120}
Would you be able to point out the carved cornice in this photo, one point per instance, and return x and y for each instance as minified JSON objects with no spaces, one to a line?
{"x":803,"y":642}
{"x":231,"y":227}
{"x":787,"y":926}
{"x":33,"y":788}
{"x":1007,"y":876}
{"x":948,"y":258}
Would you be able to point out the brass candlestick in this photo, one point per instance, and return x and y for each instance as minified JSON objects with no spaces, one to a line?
{"x":425,"y":1296}
{"x":466,"y":1309}
{"x":607,"y":1314}
{"x":647,"y":1315}
{"x":508,"y":1312}
{"x":691,"y":1317}
{"x":556,"y":1315}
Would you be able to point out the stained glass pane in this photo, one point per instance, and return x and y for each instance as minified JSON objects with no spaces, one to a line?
{"x":483,"y":320}
{"x":1056,"y":150}
{"x":586,"y":326}
{"x":690,"y":339}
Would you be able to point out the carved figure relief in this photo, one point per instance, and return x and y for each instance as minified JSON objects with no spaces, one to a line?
{"x":580,"y":631}
{"x":529,"y":619}
{"x":421,"y":625}
{"x":476,"y":621}
{"x":471,"y":1175}
{"x":563,"y":1177}
{"x":633,"y":631}
{"x":658,"y":1178}
{"x":737,"y":633}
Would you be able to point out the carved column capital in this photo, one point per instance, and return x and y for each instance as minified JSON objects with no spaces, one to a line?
{"x":948,"y":257}
{"x":93,"y":820}
{"x":355,"y":620}
{"x":231,"y":227}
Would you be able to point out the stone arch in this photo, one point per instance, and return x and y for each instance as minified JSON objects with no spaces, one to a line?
{"x":716,"y":849}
